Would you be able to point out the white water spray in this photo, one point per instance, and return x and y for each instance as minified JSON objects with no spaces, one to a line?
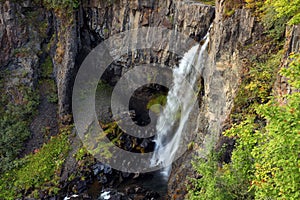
{"x":172,"y":121}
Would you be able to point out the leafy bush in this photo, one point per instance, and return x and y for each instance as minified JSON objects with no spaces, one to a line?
{"x":276,"y":156}
{"x":227,"y":181}
{"x":275,"y":27}
{"x":276,"y":14}
{"x":256,"y":86}
{"x":289,"y":9}
{"x":208,"y":186}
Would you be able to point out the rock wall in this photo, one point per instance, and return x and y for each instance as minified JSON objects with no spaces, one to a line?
{"x":20,"y":43}
{"x":221,"y":78}
{"x":26,"y":28}
{"x":98,"y":20}
{"x":292,"y":45}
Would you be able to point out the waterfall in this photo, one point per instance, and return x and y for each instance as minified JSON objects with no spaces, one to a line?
{"x":180,"y":100}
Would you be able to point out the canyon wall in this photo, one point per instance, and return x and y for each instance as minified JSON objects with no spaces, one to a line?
{"x":222,"y":76}
{"x":69,"y":36}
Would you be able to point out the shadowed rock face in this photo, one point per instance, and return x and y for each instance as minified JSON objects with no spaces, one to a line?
{"x":69,"y":38}
{"x":292,"y":44}
{"x":19,"y":44}
{"x":98,"y":20}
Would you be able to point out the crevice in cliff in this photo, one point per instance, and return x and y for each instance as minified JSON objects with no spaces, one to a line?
{"x":201,"y":93}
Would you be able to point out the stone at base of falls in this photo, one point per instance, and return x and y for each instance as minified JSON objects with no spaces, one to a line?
{"x":130,"y":193}
{"x":136,"y":193}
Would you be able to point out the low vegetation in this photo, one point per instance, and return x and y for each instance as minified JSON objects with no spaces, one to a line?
{"x":38,"y":172}
{"x":59,"y":4}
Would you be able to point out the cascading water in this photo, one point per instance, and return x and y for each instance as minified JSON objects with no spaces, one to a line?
{"x":180,"y":100}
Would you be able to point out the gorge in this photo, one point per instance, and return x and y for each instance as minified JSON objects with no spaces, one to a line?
{"x":226,"y":68}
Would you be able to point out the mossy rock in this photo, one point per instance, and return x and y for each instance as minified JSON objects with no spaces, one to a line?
{"x":156,"y":102}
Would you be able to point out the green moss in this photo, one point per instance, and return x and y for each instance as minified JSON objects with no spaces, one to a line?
{"x":230,"y":6}
{"x":105,"y":31}
{"x":208,"y":2}
{"x":80,"y":154}
{"x":156,"y":102}
{"x":229,"y":12}
{"x":254,"y":5}
{"x":98,"y":144}
{"x":51,"y":92}
{"x":62,"y":4}
{"x":47,"y":80}
{"x":103,"y":86}
{"x":47,"y":68}
{"x":34,"y":20}
{"x":37,"y":172}
{"x":171,"y":19}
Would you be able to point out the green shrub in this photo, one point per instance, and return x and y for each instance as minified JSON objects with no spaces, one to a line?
{"x":289,"y":9}
{"x":276,"y":14}
{"x":276,"y":156}
{"x":206,"y":187}
{"x":256,"y":86}
{"x":48,"y":81}
{"x":275,"y":27}
{"x":47,"y":68}
{"x":227,"y":181}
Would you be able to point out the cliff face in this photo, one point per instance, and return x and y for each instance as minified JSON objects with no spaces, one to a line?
{"x":221,"y":79}
{"x":292,"y":45}
{"x":20,"y":44}
{"x":97,"y":20}
{"x":69,"y":37}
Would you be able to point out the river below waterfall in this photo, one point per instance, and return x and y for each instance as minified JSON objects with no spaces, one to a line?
{"x":138,"y":187}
